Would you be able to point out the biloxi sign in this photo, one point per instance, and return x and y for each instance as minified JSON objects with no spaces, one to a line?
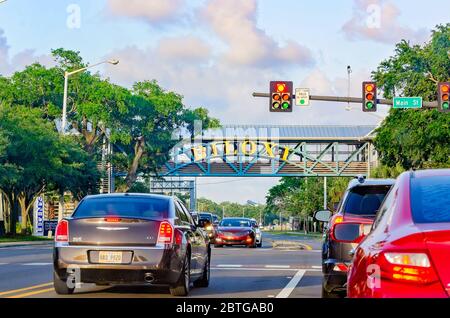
{"x":39,"y":216}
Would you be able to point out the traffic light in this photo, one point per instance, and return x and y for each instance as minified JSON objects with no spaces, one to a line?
{"x":281,"y":94}
{"x":369,"y":90}
{"x":443,"y":91}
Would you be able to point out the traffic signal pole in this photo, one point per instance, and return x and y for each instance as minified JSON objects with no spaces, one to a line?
{"x":357,"y":100}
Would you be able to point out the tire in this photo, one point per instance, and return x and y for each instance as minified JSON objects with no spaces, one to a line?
{"x":60,"y":286}
{"x":204,"y":280}
{"x":326,"y":294}
{"x":260,"y":244}
{"x":218,"y":245}
{"x":183,"y":284}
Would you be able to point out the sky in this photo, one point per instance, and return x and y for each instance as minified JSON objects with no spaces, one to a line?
{"x":217,"y":52}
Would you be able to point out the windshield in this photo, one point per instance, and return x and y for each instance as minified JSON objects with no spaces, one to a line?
{"x":235,"y":223}
{"x":365,"y":200}
{"x":125,"y":207}
{"x":203,"y":216}
{"x":430,"y":200}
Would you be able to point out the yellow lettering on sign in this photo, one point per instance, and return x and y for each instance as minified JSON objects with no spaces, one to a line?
{"x":199,"y":153}
{"x":214,"y":149}
{"x":285,"y":153}
{"x":228,"y":148}
{"x":269,"y":149}
{"x":252,"y":147}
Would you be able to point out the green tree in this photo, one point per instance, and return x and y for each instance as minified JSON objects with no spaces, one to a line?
{"x":35,"y":158}
{"x":415,"y":138}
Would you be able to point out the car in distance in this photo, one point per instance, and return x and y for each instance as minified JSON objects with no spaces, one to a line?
{"x":235,"y":231}
{"x":131,"y":239}
{"x":258,"y":233}
{"x":357,"y":209}
{"x":207,"y":221}
{"x":408,"y":249}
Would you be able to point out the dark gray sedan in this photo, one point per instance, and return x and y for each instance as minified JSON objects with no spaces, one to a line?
{"x":131,"y":239}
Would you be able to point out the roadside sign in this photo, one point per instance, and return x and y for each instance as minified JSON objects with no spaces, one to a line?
{"x":407,"y":102}
{"x":302,"y":96}
{"x":38,"y":216}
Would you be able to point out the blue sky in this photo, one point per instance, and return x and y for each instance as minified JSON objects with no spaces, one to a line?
{"x":217,"y":52}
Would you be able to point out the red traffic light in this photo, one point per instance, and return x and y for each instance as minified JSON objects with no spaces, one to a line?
{"x":281,"y":94}
{"x":369,"y":97}
{"x":443,"y":98}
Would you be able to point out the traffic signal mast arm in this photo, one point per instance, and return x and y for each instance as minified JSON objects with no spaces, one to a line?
{"x":357,"y":100}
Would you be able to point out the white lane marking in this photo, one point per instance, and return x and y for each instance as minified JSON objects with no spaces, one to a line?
{"x":3,"y":263}
{"x":292,"y":284}
{"x":318,"y":267}
{"x":265,"y":269}
{"x":229,"y":265}
{"x":277,"y":266}
{"x":36,"y":264}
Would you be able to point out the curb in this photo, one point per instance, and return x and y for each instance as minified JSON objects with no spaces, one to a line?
{"x":17,"y":244}
{"x":290,"y":244}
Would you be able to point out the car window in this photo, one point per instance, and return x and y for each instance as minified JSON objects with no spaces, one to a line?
{"x":235,"y":223}
{"x":182,"y":215}
{"x":365,"y":200}
{"x":386,"y":210}
{"x":151,"y":208}
{"x":430,"y":199}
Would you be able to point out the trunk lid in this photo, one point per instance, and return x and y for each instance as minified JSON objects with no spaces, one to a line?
{"x":437,"y":240}
{"x":115,"y":231}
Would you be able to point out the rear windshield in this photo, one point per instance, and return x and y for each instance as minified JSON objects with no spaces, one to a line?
{"x":430,"y":199}
{"x":150,"y":208}
{"x":235,"y":223}
{"x":365,"y":200}
{"x":205,"y":216}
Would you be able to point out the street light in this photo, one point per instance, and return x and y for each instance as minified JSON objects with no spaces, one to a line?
{"x":66,"y":84}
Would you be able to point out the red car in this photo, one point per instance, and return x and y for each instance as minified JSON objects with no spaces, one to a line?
{"x":407,"y":253}
{"x":235,"y":231}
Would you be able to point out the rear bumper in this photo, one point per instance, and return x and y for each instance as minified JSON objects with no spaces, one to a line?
{"x":164,"y":265}
{"x":334,"y":280}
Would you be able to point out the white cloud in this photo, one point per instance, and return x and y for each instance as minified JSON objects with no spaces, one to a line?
{"x":377,"y":20}
{"x":10,"y":64}
{"x":184,"y":49}
{"x":151,"y":11}
{"x":234,"y":21}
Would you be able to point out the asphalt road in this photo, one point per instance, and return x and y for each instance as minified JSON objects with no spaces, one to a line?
{"x":236,"y":272}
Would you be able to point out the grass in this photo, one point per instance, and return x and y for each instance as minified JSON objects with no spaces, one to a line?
{"x":23,"y":238}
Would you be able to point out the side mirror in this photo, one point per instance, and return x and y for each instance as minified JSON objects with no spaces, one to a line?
{"x":322,"y":216}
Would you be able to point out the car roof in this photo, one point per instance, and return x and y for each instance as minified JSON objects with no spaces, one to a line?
{"x":430,"y":173}
{"x":370,"y":182}
{"x":129,"y":195}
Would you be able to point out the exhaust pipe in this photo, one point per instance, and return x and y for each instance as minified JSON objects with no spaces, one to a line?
{"x":148,"y":277}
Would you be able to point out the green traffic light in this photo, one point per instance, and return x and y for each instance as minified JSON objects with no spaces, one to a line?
{"x":445,"y":105}
{"x":285,"y":105}
{"x":369,"y":105}
{"x":276,"y":105}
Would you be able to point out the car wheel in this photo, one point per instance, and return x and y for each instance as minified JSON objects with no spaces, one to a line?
{"x":326,"y":294}
{"x":260,"y":244}
{"x":253,"y":245}
{"x":60,"y":286}
{"x":204,"y":280}
{"x":182,"y":286}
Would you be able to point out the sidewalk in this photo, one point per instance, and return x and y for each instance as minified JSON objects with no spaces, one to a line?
{"x":25,"y":243}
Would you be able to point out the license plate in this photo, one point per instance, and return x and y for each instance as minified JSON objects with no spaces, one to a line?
{"x":110,"y":257}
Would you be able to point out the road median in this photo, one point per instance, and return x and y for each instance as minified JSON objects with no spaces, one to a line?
{"x":289,"y":245}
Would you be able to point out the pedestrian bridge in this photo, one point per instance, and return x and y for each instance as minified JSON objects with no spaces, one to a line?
{"x":274,"y":151}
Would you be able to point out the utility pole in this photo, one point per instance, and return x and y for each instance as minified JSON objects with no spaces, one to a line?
{"x":243,"y":212}
{"x":223,"y":212}
{"x":324,"y":193}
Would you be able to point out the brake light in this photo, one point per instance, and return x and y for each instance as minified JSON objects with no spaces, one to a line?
{"x":408,"y":267}
{"x":112,"y":219}
{"x":165,"y":234}
{"x":62,"y":231}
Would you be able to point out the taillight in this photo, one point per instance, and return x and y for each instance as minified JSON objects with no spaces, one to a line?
{"x":112,"y":219}
{"x":62,"y":231}
{"x":165,"y":234}
{"x":407,"y":267}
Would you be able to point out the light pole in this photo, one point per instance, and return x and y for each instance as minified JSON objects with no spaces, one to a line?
{"x":66,"y":84}
{"x":64,"y":116}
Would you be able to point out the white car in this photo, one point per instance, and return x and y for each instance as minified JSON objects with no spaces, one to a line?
{"x":258,"y":233}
